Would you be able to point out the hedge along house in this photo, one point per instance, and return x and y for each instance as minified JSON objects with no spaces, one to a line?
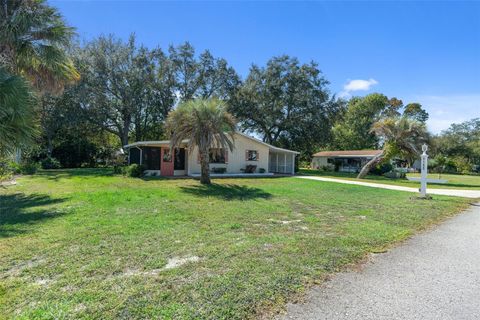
{"x":249,"y":156}
{"x":343,"y":161}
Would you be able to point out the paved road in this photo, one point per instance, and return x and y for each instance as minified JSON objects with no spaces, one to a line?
{"x":434,"y":275}
{"x":445,"y":192}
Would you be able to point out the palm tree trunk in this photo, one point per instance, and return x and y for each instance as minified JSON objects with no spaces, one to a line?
{"x":205,"y":170}
{"x":370,"y":164}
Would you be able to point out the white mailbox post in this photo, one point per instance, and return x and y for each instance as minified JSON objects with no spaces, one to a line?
{"x":424,"y":169}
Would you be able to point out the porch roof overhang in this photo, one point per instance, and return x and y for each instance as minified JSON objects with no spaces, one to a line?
{"x":281,"y":150}
{"x":270,"y":147}
{"x":159,"y":143}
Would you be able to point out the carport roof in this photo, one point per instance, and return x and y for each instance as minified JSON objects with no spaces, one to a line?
{"x":348,"y":153}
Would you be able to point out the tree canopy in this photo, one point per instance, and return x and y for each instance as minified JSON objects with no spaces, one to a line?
{"x":287,"y":103}
{"x":126,"y":87}
{"x":352,"y":130}
{"x":461,"y":143}
{"x":130,"y":89}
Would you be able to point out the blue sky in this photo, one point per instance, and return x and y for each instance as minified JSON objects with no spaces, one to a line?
{"x":427,"y":52}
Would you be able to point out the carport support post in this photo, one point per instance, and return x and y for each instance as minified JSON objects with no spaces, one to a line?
{"x":424,"y":168}
{"x":277,"y":162}
{"x":293,"y":163}
{"x":141,"y":155}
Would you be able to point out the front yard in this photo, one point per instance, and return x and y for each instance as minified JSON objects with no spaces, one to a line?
{"x":87,"y":244}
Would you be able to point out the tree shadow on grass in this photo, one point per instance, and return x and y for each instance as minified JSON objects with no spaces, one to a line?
{"x":15,"y":216}
{"x":227,"y":192}
{"x":56,"y":174}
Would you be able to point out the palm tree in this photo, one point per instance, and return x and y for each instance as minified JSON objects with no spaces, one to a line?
{"x":16,"y":112}
{"x":203,"y":123}
{"x":33,"y":38}
{"x":400,"y":136}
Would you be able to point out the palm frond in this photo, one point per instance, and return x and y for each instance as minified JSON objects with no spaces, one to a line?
{"x":206,"y":125}
{"x":16,"y":112}
{"x":33,"y":37}
{"x":401,"y":136}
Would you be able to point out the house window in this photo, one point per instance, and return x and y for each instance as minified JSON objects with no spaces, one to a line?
{"x":216,"y":155}
{"x":179,"y":159}
{"x":151,"y":158}
{"x":252,"y":155}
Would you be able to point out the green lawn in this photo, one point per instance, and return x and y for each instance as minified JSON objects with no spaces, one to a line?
{"x":86,"y":244}
{"x":455,"y":181}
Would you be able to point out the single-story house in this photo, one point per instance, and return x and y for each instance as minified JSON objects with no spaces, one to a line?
{"x":249,"y":155}
{"x":344,"y":161}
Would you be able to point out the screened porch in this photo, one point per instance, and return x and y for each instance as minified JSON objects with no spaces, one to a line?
{"x":281,"y":162}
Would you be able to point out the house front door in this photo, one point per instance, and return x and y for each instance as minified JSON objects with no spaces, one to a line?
{"x":167,"y":163}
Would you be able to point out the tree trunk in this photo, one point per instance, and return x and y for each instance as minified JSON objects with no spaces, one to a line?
{"x":124,"y":135}
{"x":370,"y":164}
{"x":205,"y":170}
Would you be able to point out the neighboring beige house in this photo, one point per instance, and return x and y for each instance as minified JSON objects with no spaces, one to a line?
{"x":249,"y":156}
{"x":343,"y":161}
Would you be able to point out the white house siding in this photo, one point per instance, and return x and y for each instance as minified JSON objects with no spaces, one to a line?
{"x":236,"y":158}
{"x":318,"y":162}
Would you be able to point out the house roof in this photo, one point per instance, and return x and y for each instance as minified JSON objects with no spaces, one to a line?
{"x":348,"y":153}
{"x":272,"y":148}
{"x":167,"y":142}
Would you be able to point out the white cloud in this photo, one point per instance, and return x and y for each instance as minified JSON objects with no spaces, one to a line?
{"x":359,"y":85}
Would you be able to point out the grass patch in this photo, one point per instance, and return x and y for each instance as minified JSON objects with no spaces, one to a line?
{"x":455,"y":181}
{"x":87,"y":244}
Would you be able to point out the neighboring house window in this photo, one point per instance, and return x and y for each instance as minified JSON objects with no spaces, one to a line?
{"x":251,"y":155}
{"x":216,"y":155}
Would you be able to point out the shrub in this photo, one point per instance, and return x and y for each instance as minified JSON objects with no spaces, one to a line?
{"x":328,"y":167}
{"x":14,"y":167}
{"x":382,"y":169}
{"x":6,"y":171}
{"x":75,"y":152}
{"x":134,"y":170}
{"x":261,"y":170}
{"x":50,"y":163}
{"x":395,"y":175}
{"x":118,"y":169}
{"x":462,"y":165}
{"x":29,"y":168}
{"x":432,"y":165}
{"x":304,"y":164}
{"x":219,"y":170}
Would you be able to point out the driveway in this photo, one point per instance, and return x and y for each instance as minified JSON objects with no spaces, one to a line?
{"x":434,"y":275}
{"x":444,"y":192}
